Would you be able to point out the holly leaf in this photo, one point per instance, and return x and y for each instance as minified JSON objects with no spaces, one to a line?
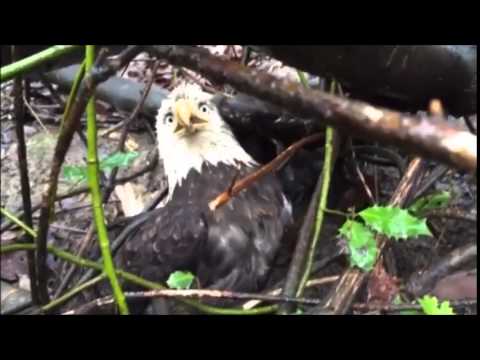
{"x":118,"y":159}
{"x":180,"y":280}
{"x":75,"y":173}
{"x":361,"y":244}
{"x":430,"y":306}
{"x":434,"y":201}
{"x":394,"y":222}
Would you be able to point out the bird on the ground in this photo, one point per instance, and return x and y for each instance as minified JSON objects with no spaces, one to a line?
{"x":232,"y":247}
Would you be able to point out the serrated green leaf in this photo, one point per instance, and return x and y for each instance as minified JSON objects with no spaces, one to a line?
{"x":75,"y":173}
{"x":430,"y":306}
{"x":429,"y":202}
{"x":394,"y":222}
{"x":180,"y":280}
{"x":118,"y":159}
{"x":445,"y":309}
{"x":361,"y":244}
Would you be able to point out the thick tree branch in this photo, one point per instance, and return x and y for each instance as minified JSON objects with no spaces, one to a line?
{"x":427,"y":136}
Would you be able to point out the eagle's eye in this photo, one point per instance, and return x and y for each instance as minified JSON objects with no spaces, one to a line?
{"x":204,"y":108}
{"x":169,"y":119}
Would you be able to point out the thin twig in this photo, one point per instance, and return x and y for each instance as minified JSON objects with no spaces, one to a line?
{"x":331,"y":150}
{"x":20,"y":67}
{"x":302,"y":260}
{"x":217,"y":294}
{"x":97,"y":204}
{"x":432,"y":178}
{"x":264,"y":170}
{"x":35,"y":115}
{"x":14,"y":219}
{"x":452,"y":213}
{"x":67,"y":228}
{"x":123,"y":136}
{"x":310,"y":283}
{"x":403,"y":307}
{"x":368,"y":191}
{"x":24,"y":178}
{"x":64,"y":255}
{"x":69,"y":273}
{"x":151,"y":165}
{"x":118,"y":242}
{"x":69,"y":127}
{"x":67,"y":296}
{"x":396,"y":159}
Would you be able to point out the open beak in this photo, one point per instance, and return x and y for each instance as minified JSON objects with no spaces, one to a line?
{"x":189,"y":118}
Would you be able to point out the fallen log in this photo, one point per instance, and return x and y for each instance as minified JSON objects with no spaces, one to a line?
{"x":409,"y":76}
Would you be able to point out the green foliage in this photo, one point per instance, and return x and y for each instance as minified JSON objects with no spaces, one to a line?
{"x":77,"y":173}
{"x":431,"y":306}
{"x":394,"y":222}
{"x":391,"y":221}
{"x":361,"y":243}
{"x":119,"y":159}
{"x":74,"y":173}
{"x":430,"y":202}
{"x":180,"y":280}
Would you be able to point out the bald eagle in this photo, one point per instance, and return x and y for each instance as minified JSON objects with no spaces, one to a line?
{"x":229,"y":248}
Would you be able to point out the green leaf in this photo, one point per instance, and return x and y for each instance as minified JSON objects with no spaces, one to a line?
{"x":430,"y":306}
{"x":180,"y":280}
{"x":433,"y":201}
{"x":118,"y":159}
{"x":361,"y":244}
{"x":394,"y":222}
{"x":75,"y":173}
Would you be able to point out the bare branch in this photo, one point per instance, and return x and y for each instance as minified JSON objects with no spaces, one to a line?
{"x":428,"y":136}
{"x":264,"y":170}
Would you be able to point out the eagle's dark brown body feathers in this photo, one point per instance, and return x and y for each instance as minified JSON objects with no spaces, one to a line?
{"x":232,"y":247}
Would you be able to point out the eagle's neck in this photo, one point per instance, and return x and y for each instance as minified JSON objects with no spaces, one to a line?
{"x":190,"y":153}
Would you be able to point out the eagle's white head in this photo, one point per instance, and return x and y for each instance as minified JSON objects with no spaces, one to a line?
{"x":190,"y":131}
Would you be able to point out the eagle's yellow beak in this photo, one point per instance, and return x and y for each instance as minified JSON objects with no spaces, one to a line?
{"x":188,"y":117}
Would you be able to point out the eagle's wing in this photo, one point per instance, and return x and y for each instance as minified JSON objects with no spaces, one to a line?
{"x":170,"y":240}
{"x":244,"y":236}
